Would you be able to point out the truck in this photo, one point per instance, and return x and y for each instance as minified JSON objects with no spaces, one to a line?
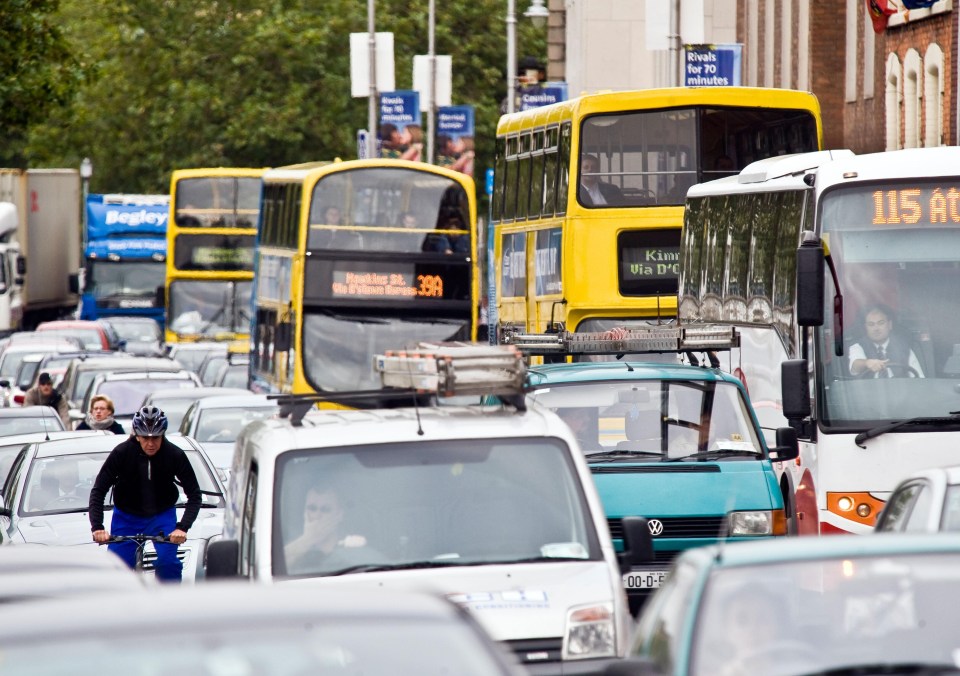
{"x":11,"y":283}
{"x":43,"y":250}
{"x":125,"y":252}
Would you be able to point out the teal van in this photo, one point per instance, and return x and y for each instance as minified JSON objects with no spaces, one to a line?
{"x":675,"y":443}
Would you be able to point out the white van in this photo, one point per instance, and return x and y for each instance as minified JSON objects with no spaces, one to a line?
{"x":492,"y":506}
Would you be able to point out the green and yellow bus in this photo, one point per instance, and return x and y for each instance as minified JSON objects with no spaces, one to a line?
{"x":211,"y":236}
{"x":355,"y":258}
{"x":588,"y":196}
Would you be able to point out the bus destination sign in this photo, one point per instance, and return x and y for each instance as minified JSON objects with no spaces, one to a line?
{"x":387,"y":281}
{"x":385,"y":285}
{"x":649,"y":262}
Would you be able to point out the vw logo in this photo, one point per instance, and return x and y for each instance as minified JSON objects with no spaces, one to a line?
{"x":655,"y":526}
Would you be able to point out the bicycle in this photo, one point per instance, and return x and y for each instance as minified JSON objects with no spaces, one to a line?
{"x":140,"y":539}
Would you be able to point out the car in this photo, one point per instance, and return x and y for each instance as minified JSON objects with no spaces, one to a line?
{"x":81,"y":372}
{"x":844,"y":604}
{"x":30,"y":572}
{"x":233,"y":374}
{"x":141,"y":336}
{"x":22,"y":420}
{"x":927,"y":502}
{"x":127,"y":389}
{"x":47,"y":490}
{"x":175,"y":402}
{"x":216,"y":422}
{"x":191,"y":355}
{"x":653,"y":431}
{"x":491,"y":505}
{"x":15,"y":353}
{"x":54,"y":363}
{"x":246,"y":629}
{"x":93,"y":335}
{"x":11,"y":445}
{"x":209,"y":368}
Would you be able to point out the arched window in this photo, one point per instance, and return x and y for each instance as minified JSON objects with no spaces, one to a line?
{"x":933,"y":96}
{"x":911,"y":99}
{"x":893,"y":94}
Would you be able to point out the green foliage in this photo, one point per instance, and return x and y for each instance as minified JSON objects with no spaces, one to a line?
{"x":37,"y":71}
{"x":172,"y":84}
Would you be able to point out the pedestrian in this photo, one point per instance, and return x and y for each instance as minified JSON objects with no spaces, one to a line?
{"x":43,"y":394}
{"x":100,"y":416}
{"x":144,"y":471}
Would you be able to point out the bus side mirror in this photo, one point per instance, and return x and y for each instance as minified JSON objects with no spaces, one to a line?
{"x":223,"y":559}
{"x":810,"y":282}
{"x":787,"y":447}
{"x":795,"y":384}
{"x":637,"y":543}
{"x":283,"y":338}
{"x":160,"y":297}
{"x":73,"y":280}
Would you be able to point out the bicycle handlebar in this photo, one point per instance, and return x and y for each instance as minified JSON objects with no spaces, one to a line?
{"x":139,"y":538}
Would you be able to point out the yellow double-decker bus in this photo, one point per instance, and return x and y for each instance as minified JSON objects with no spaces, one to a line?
{"x":355,"y":258}
{"x":211,"y":236}
{"x":588,"y":195}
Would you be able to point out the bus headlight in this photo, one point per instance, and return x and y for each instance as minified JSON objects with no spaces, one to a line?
{"x":590,"y":633}
{"x":768,"y":522}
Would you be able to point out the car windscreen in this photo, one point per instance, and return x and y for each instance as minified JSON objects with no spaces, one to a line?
{"x":62,"y":483}
{"x":127,"y":395}
{"x":48,"y":422}
{"x":445,"y":502}
{"x":222,"y":425}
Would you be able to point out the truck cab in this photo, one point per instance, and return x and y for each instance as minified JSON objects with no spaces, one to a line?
{"x":11,"y":281}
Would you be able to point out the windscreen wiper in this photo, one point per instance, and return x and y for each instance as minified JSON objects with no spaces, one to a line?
{"x":954,"y":419}
{"x":410,"y":565}
{"x":610,"y":456}
{"x":916,"y":668}
{"x":702,"y":455}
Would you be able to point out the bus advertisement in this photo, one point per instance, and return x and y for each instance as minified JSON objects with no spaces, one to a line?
{"x":210,"y":243}
{"x":588,"y":195}
{"x":840,"y":272}
{"x":355,"y":258}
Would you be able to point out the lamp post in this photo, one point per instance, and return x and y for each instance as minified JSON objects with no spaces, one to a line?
{"x":86,"y":171}
{"x":538,"y":14}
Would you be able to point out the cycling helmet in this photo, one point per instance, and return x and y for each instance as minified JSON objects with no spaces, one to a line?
{"x":149,"y":421}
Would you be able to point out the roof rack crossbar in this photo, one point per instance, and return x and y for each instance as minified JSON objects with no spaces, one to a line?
{"x":639,"y":340}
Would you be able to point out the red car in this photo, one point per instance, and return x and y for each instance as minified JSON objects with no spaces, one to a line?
{"x":93,"y":335}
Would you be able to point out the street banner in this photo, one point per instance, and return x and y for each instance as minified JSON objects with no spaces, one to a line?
{"x":401,"y":133}
{"x":454,"y":139}
{"x":712,"y":65}
{"x":542,"y":94}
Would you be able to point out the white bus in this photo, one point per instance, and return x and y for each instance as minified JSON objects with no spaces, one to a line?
{"x":843,"y":273}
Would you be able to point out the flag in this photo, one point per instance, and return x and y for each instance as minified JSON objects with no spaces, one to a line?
{"x":879,"y":11}
{"x":917,"y":4}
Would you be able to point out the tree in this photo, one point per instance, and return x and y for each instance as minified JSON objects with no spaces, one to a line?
{"x":246,"y":83}
{"x":37,"y":69}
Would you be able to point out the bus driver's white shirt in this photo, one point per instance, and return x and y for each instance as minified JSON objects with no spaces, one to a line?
{"x":856,"y":352}
{"x":596,"y":197}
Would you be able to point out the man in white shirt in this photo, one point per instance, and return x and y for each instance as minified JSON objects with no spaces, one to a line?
{"x":883,"y":354}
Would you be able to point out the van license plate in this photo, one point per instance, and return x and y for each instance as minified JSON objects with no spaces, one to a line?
{"x":644,"y":579}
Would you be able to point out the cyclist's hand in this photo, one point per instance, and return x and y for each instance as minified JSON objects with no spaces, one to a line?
{"x":178,"y":537}
{"x":100,"y":536}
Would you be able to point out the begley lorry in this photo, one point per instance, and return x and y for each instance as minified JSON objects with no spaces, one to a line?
{"x":45,"y":247}
{"x":125,"y":256}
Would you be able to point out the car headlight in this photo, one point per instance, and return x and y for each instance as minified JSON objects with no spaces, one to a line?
{"x":769,"y":522}
{"x":590,"y":633}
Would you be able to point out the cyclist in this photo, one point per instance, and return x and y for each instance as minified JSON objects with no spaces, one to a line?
{"x":143,"y":471}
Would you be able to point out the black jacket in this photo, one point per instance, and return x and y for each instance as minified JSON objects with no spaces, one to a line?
{"x":116,"y":427}
{"x":143,"y":485}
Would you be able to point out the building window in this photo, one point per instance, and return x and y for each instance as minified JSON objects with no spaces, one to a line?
{"x":912,"y":94}
{"x":933,"y":96}
{"x":894,"y":94}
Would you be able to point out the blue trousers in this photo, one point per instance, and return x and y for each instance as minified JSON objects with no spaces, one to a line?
{"x":168,"y":567}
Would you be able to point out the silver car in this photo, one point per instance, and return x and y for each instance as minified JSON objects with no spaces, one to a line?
{"x":47,"y":491}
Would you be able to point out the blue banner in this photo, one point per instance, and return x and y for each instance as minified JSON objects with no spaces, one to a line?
{"x":454,"y":140}
{"x":105,"y":219}
{"x":712,"y":65}
{"x":401,"y":133}
{"x":544,"y":94}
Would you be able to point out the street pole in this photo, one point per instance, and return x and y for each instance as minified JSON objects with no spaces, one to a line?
{"x":511,"y":55}
{"x":432,"y":103}
{"x":372,"y":105}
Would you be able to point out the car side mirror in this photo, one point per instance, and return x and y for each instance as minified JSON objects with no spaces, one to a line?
{"x":637,"y":543}
{"x":283,"y":338}
{"x":787,"y":446}
{"x":223,"y":559}
{"x":73,"y":281}
{"x":76,"y":415}
{"x":160,"y":296}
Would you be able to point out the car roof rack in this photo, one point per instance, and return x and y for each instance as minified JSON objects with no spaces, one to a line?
{"x":621,"y":341}
{"x":419,"y":376}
